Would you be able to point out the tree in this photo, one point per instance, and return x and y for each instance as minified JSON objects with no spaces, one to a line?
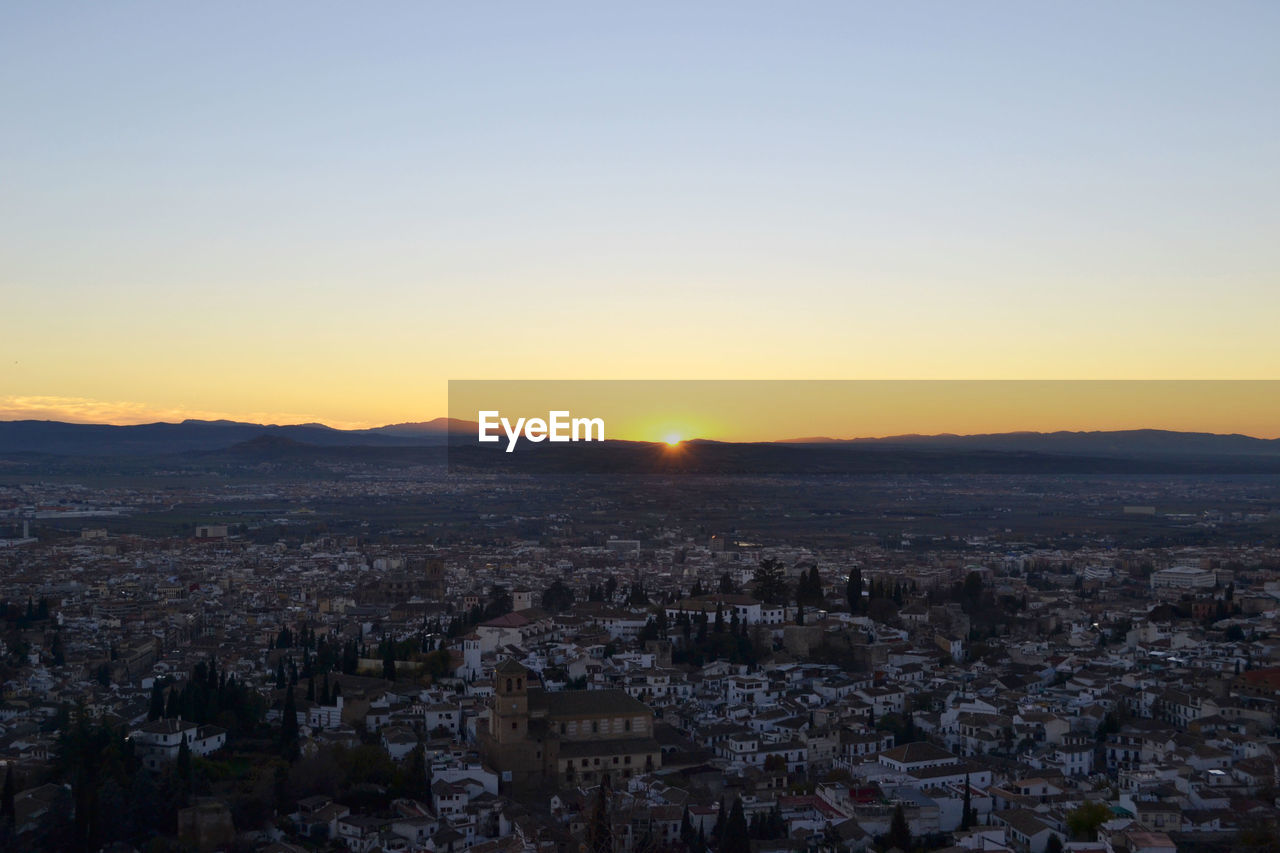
{"x":809,"y":589}
{"x":418,"y":775}
{"x":1084,"y":820}
{"x":389,"y":661}
{"x":770,"y":582}
{"x":774,"y":825}
{"x":737,"y":837}
{"x":899,"y":833}
{"x":1054,"y":845}
{"x":156,"y":711}
{"x":600,"y":831}
{"x":909,"y":733}
{"x":10,"y":791}
{"x":499,"y":602}
{"x":1258,"y":832}
{"x":557,"y":597}
{"x":722,"y":820}
{"x":966,"y":815}
{"x":289,"y":726}
{"x":184,"y":764}
{"x":853,"y":591}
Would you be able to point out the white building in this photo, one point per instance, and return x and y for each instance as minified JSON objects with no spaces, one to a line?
{"x":158,"y":742}
{"x":1182,"y":578}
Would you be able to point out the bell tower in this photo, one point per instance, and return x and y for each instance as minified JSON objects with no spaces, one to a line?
{"x":509,"y":720}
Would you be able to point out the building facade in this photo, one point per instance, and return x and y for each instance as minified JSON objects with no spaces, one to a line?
{"x":565,"y":737}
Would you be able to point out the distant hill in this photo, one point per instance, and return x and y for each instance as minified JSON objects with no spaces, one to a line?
{"x":1073,"y":451}
{"x":782,"y":458}
{"x":1116,"y":443}
{"x":436,"y":427}
{"x":64,"y":439}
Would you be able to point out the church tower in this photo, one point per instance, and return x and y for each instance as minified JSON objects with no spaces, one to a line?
{"x":471,"y":656}
{"x":509,"y":720}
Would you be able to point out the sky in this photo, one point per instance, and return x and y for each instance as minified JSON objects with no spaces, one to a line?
{"x":293,"y":212}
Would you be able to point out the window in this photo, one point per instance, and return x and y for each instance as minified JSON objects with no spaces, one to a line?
{"x":595,"y":727}
{"x":514,"y":725}
{"x":627,"y":725}
{"x":508,"y":685}
{"x":562,"y":728}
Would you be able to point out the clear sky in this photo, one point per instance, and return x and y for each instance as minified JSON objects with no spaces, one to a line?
{"x":310,"y":211}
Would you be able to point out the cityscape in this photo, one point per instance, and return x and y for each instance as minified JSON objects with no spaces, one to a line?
{"x":845,"y":426}
{"x":277,"y":653}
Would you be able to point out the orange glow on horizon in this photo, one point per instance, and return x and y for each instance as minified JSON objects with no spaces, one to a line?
{"x":776,"y":410}
{"x":769,"y":410}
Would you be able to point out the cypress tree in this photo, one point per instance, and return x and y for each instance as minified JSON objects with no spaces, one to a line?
{"x":899,"y":832}
{"x":737,"y":837}
{"x":184,"y":764}
{"x":289,"y":727}
{"x":853,"y":591}
{"x":600,"y":830}
{"x":156,"y":711}
{"x":389,"y":663}
{"x":10,"y":791}
{"x":419,"y":779}
{"x":722,"y":818}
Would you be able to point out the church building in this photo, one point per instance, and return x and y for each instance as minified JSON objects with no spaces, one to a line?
{"x":566,"y":737}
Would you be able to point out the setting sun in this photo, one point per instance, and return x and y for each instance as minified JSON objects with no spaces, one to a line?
{"x":672,"y":440}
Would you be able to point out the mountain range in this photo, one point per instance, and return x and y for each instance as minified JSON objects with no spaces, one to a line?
{"x":70,"y":439}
